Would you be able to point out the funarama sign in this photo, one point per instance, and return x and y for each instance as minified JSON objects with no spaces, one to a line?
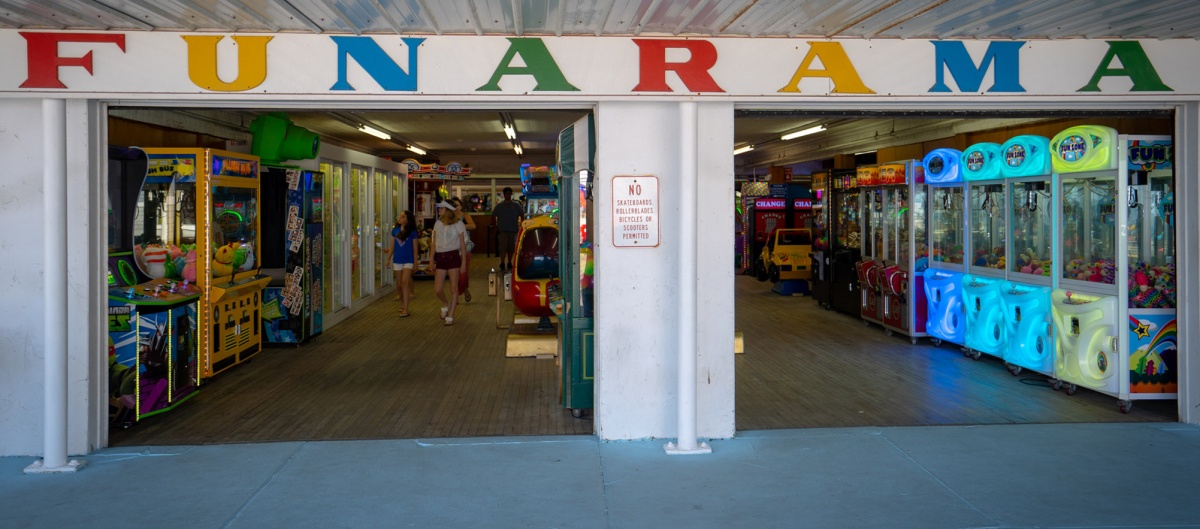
{"x":161,"y":64}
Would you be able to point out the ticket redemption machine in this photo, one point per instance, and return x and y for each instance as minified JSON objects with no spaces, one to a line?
{"x":1025,"y":164}
{"x":869,"y":268}
{"x":987,"y":215}
{"x":152,"y":352}
{"x":226,"y":231}
{"x":845,"y":239}
{"x":1114,"y":308}
{"x":905,"y":248}
{"x":822,"y":255}
{"x":292,"y":253}
{"x":946,"y":320}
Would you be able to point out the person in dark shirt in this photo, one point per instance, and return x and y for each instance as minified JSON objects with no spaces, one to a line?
{"x":508,"y":216}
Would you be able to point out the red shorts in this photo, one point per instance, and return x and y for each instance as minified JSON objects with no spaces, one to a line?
{"x":447,"y":260}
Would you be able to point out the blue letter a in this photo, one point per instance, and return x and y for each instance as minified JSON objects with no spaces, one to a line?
{"x":952,"y":55}
{"x":377,"y":63}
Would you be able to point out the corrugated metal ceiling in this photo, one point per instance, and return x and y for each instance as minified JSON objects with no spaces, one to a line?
{"x":912,"y":19}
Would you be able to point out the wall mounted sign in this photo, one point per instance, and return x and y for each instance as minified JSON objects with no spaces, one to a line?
{"x":635,"y":211}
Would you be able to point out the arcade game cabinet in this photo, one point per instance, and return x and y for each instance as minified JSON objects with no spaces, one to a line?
{"x":151,"y":306}
{"x":947,"y":231}
{"x":822,"y":256}
{"x":845,"y":241}
{"x":222,"y":210}
{"x":1115,"y":302}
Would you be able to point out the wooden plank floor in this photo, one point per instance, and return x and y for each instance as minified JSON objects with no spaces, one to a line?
{"x":806,"y":367}
{"x":378,"y":376}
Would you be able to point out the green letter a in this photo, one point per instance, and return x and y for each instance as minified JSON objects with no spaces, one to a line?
{"x":1134,"y":64}
{"x":538,"y":63}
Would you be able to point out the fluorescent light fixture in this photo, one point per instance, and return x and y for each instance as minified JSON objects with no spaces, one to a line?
{"x":864,"y":152}
{"x":805,"y":132}
{"x":510,"y":131}
{"x":375,"y":132}
{"x":518,"y":149}
{"x":416,"y":149}
{"x":741,"y":150}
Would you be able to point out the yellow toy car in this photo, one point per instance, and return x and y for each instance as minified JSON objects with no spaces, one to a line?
{"x":786,"y":255}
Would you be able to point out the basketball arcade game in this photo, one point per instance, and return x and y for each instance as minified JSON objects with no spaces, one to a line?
{"x":1114,"y":308}
{"x":947,"y":231}
{"x":225,"y":187}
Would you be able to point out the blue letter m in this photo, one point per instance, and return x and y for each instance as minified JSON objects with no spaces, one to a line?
{"x":377,"y":63}
{"x":952,"y":55}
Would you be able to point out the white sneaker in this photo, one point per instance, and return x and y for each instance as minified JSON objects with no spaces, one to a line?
{"x":445,"y":311}
{"x":450,"y":320}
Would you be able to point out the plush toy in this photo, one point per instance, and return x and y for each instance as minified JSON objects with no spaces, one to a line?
{"x":222,"y":263}
{"x":189,"y":267}
{"x":155,"y":260}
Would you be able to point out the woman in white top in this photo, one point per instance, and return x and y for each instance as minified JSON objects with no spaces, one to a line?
{"x":449,"y":247}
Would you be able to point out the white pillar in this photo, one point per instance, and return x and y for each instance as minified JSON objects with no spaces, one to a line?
{"x":54,"y":182}
{"x":688,"y":182}
{"x":1187,"y":259}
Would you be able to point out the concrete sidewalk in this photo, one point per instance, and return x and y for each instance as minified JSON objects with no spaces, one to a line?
{"x":1062,"y":475}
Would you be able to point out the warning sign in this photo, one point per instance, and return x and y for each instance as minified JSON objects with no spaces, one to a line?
{"x":635,"y":211}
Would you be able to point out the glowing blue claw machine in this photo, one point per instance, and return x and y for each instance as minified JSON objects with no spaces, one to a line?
{"x":1114,"y":308}
{"x":987,"y":219}
{"x":946,"y":320}
{"x":1026,"y":167}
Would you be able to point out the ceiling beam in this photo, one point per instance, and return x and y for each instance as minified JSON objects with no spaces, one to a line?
{"x":298,"y":15}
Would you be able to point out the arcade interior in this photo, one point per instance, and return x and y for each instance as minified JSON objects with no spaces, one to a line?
{"x":959,"y":268}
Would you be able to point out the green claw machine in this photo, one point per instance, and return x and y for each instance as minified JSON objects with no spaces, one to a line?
{"x":576,"y":163}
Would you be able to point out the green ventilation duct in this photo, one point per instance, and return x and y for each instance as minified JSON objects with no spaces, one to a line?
{"x":277,"y":139}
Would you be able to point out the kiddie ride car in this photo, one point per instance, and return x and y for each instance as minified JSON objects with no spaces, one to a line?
{"x":785,"y":260}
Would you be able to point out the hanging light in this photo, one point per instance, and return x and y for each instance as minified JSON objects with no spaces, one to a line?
{"x":805,"y":132}
{"x":375,"y":132}
{"x":418,"y":150}
{"x":742,"y":149}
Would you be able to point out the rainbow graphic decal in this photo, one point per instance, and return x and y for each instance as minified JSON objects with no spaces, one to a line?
{"x":1153,"y":354}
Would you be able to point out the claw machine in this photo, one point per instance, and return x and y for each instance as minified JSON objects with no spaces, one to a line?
{"x":905,"y":248}
{"x":987,"y":221}
{"x":821,"y":255}
{"x":945,"y":319}
{"x":152,"y":299}
{"x":539,"y":185}
{"x":576,"y":158}
{"x":869,"y":268}
{"x":226,"y":231}
{"x":1025,"y":164}
{"x":1114,"y":308}
{"x":845,"y":241}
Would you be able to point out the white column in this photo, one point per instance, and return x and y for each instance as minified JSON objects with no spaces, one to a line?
{"x":688,"y":182}
{"x":54,"y":182}
{"x":1187,"y":258}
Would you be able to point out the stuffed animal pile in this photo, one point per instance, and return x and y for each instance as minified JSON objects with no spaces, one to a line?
{"x":1152,"y":287}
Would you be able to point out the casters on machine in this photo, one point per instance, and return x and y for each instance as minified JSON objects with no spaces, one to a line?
{"x":937,"y":342}
{"x":1125,"y":405}
{"x":1056,"y":384}
{"x":913,"y":340}
{"x":1013,"y":368}
{"x":972,"y":354}
{"x":577,"y":412}
{"x":888,"y":332}
{"x":1071,"y":389}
